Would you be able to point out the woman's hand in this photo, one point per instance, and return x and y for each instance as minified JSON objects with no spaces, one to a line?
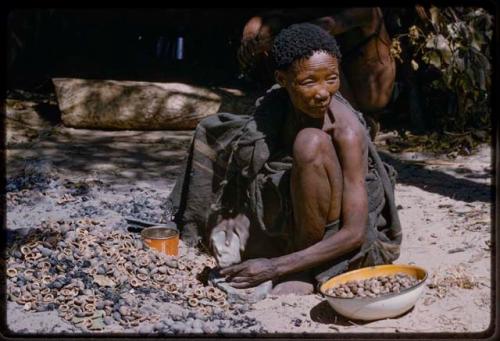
{"x":250,"y":273}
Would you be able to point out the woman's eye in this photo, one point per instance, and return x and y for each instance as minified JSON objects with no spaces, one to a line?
{"x":306,"y":83}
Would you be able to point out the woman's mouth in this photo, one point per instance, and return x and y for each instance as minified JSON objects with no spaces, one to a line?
{"x":323,"y":105}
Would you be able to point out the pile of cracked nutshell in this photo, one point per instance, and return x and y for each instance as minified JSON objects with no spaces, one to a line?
{"x":94,"y":277}
{"x":373,"y":287}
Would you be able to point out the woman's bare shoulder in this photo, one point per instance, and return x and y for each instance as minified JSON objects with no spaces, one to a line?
{"x":347,"y":122}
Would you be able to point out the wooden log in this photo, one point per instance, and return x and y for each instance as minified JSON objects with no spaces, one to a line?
{"x":132,"y":105}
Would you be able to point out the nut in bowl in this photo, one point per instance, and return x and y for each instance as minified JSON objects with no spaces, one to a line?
{"x":375,"y":292}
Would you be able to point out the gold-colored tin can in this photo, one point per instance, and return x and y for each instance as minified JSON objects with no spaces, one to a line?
{"x":162,"y":239}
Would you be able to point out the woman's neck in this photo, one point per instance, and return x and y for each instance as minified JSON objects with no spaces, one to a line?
{"x":305,"y":121}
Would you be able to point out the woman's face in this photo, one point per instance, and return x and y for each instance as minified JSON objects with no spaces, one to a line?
{"x":311,"y":83}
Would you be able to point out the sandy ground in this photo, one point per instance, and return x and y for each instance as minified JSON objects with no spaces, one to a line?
{"x":445,"y":209}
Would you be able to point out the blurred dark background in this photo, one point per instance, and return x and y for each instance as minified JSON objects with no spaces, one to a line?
{"x":130,"y":44}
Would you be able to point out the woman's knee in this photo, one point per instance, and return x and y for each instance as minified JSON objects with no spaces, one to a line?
{"x":311,"y":146}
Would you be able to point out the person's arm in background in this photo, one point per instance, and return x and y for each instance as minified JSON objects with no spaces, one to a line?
{"x":257,"y":38}
{"x":346,"y":20}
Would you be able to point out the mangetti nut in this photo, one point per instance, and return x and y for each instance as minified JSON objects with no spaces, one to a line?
{"x":193,"y":301}
{"x":11,"y":272}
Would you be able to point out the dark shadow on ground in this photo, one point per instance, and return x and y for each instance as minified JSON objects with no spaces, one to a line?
{"x":125,"y":159}
{"x":478,"y":176}
{"x":49,"y":112}
{"x":438,"y":182}
{"x":325,"y":314}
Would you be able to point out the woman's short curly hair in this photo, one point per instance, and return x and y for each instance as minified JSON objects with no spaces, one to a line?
{"x":301,"y":41}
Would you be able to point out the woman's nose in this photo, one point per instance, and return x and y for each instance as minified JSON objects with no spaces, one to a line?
{"x":322,"y":94}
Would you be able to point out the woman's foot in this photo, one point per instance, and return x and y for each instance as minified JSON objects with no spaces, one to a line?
{"x":293,"y":287}
{"x":298,"y":284}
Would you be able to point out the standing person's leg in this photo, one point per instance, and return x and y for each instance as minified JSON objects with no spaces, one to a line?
{"x":316,"y":190}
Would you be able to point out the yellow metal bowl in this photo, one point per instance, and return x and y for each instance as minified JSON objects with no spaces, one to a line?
{"x":375,"y":308}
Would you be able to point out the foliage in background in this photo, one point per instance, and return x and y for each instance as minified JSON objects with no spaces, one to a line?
{"x":450,"y":53}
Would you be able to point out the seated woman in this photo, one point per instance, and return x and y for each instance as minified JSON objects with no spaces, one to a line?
{"x":299,"y":183}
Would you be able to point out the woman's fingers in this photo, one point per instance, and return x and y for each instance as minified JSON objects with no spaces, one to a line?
{"x":242,"y":285}
{"x":240,"y":280}
{"x":227,"y":271}
{"x":231,"y":270}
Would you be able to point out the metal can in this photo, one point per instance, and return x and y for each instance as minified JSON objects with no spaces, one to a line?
{"x":162,"y":239}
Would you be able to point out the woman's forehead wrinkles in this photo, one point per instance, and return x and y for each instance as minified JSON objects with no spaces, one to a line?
{"x":314,"y":68}
{"x":319,"y":60}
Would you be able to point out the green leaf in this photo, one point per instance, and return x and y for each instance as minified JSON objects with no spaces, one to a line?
{"x":443,"y":46}
{"x":430,"y":42}
{"x":435,"y":59}
{"x":435,"y":12}
{"x":481,"y":79}
{"x":483,"y":62}
{"x":436,"y":84}
{"x":452,"y":30}
{"x":414,"y":65}
{"x":458,"y":62}
{"x":470,"y":74}
{"x":477,"y":39}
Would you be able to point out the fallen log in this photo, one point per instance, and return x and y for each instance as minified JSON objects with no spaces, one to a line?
{"x":132,"y":105}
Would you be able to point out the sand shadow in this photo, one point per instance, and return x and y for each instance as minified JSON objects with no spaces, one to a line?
{"x":324,"y":313}
{"x":124,"y":160}
{"x":410,"y":173}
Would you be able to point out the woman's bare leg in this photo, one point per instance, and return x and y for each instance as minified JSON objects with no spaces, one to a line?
{"x":316,"y":188}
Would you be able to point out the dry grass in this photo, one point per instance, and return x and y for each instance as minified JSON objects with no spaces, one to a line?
{"x":455,"y":277}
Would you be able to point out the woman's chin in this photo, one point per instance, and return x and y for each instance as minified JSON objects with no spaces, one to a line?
{"x":317,"y":112}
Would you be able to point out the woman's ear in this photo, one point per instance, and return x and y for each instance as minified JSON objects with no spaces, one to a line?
{"x":280,"y":77}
